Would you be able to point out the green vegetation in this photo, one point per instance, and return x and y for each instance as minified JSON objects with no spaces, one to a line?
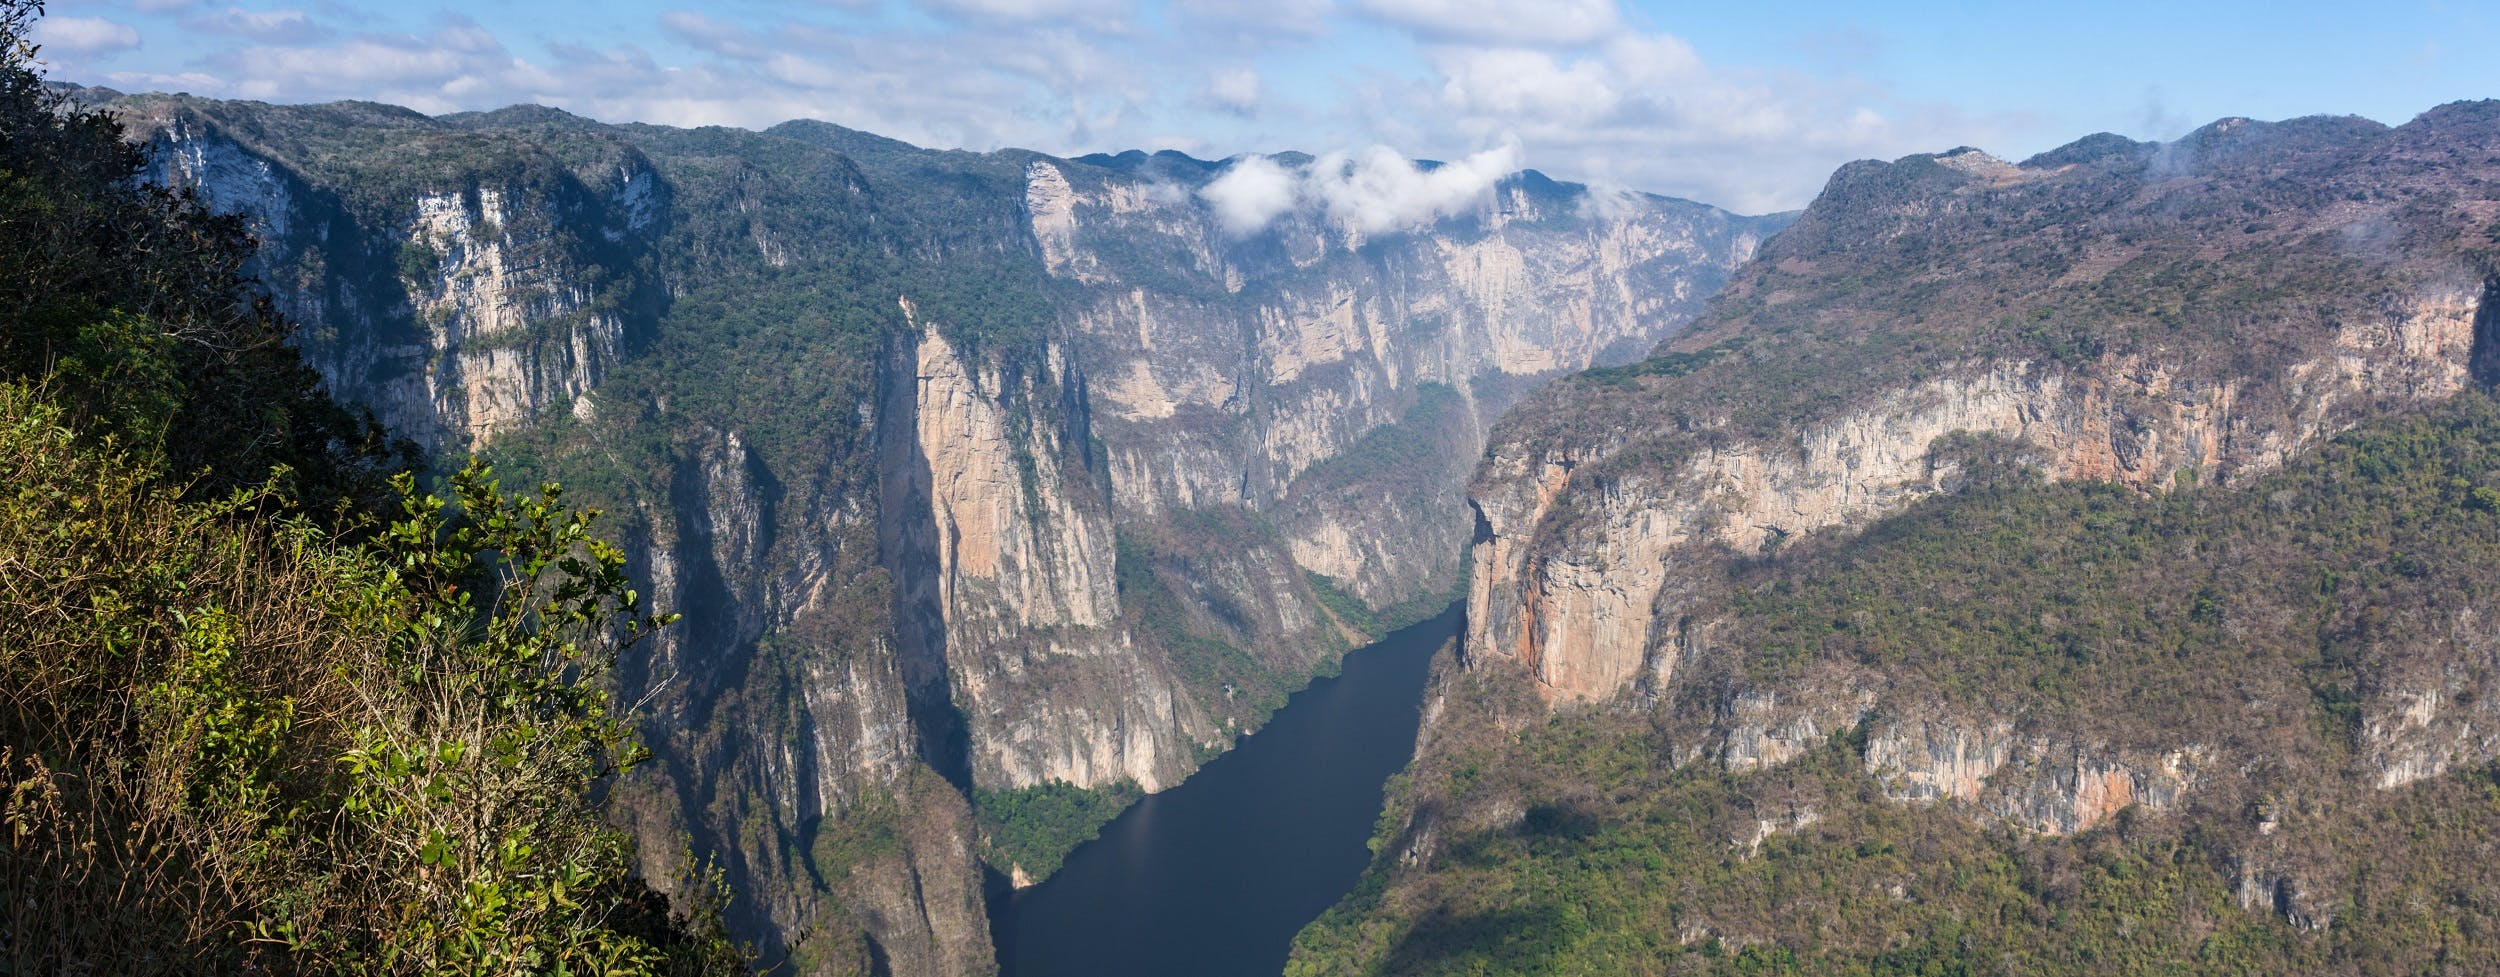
{"x":1427,"y":453}
{"x":1621,"y":865}
{"x":1377,"y":624}
{"x":1349,"y":609}
{"x":1033,"y":828}
{"x":1662,"y":365}
{"x":2276,"y":630}
{"x":1246,"y":689}
{"x":418,"y":261}
{"x":266,"y":705}
{"x":134,"y":299}
{"x":1428,"y":438}
{"x":2091,"y":600}
{"x":2257,"y":621}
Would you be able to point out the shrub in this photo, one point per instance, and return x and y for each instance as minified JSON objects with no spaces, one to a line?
{"x":231,"y":742}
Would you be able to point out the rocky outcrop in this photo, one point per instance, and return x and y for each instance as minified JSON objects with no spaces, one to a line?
{"x":1053,"y":683}
{"x":1581,"y":585}
{"x":2442,"y":710}
{"x":2117,"y":515}
{"x":1011,"y":540}
{"x":510,"y":332}
{"x":1927,"y":339}
{"x":1574,"y":599}
{"x":459,"y":311}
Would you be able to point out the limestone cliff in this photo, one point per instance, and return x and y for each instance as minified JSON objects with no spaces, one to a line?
{"x":1231,"y":368}
{"x":462,"y":308}
{"x":970,"y":473}
{"x":1021,"y":552}
{"x":2063,"y":566}
{"x":1577,"y":599}
{"x":2090,"y":316}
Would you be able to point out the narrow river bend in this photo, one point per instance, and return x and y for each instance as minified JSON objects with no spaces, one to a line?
{"x":1214,"y":877}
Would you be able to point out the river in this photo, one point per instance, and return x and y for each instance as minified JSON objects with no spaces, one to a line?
{"x":1214,"y":877}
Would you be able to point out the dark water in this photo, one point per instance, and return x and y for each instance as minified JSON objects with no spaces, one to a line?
{"x":1212,"y":878}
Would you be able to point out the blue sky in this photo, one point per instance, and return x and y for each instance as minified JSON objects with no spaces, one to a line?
{"x":1744,"y":105}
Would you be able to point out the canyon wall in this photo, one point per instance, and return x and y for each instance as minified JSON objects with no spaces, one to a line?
{"x":2154,"y":318}
{"x":971,"y":474}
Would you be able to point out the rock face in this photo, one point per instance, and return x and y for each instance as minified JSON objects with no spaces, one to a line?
{"x":2130,"y":504}
{"x":1023,"y":552}
{"x":1229,"y":371}
{"x":969,"y":473}
{"x":1935,"y":322}
{"x":463,"y":313}
{"x":1579,"y":607}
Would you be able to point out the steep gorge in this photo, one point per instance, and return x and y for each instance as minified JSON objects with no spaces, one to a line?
{"x":2127,"y":503}
{"x":972,"y":474}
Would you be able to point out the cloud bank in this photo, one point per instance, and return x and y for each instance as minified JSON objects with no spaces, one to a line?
{"x":1376,"y":191}
{"x":1577,"y":86}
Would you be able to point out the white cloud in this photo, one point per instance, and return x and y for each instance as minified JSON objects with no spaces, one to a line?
{"x":141,"y":81}
{"x":1250,"y":193}
{"x":1381,"y":190}
{"x":705,"y":34}
{"x":1235,"y":90}
{"x":1506,"y":22}
{"x":1374,"y":191}
{"x":1610,"y":203}
{"x":278,"y":26}
{"x":84,"y":35}
{"x":1512,"y":82}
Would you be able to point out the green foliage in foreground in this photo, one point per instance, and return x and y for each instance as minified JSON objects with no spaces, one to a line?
{"x":130,"y":302}
{"x":266,"y":707}
{"x":232,"y":742}
{"x":1033,"y":828}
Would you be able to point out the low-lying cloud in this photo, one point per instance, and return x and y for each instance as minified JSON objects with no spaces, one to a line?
{"x":84,"y":35}
{"x":1375,"y":191}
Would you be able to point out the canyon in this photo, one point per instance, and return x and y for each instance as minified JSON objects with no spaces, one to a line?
{"x":2000,"y":555}
{"x":975,"y":476}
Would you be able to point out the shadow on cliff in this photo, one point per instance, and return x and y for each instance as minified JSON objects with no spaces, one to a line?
{"x":2485,"y":362}
{"x":907,"y":540}
{"x":1515,"y":940}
